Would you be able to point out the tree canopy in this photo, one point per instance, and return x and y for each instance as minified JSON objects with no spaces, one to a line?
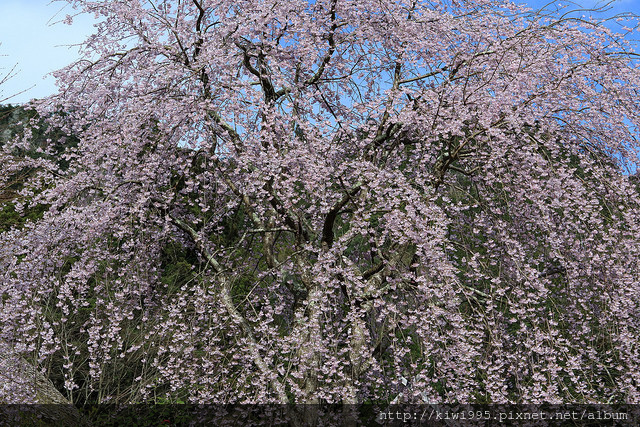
{"x":334,"y":201}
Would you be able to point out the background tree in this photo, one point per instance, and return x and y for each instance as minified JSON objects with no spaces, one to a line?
{"x":21,"y":381}
{"x":336,"y":202}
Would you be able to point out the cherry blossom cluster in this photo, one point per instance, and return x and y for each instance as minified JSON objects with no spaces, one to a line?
{"x":374,"y":201}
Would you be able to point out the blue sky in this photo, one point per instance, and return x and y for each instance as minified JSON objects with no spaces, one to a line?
{"x":33,"y":39}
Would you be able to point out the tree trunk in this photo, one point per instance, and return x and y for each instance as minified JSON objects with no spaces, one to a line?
{"x":29,"y":398}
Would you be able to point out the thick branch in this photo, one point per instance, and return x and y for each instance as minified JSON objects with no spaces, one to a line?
{"x":327,"y":228}
{"x":332,"y":47}
{"x":289,"y":219}
{"x":233,"y":311}
{"x":270,"y":93}
{"x":373,"y":270}
{"x":198,"y":241}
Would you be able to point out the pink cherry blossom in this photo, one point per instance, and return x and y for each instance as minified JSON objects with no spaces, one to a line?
{"x":375,"y":201}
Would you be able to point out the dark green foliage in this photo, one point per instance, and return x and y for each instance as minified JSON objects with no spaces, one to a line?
{"x":10,"y":218}
{"x":177,"y":266}
{"x":14,"y":122}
